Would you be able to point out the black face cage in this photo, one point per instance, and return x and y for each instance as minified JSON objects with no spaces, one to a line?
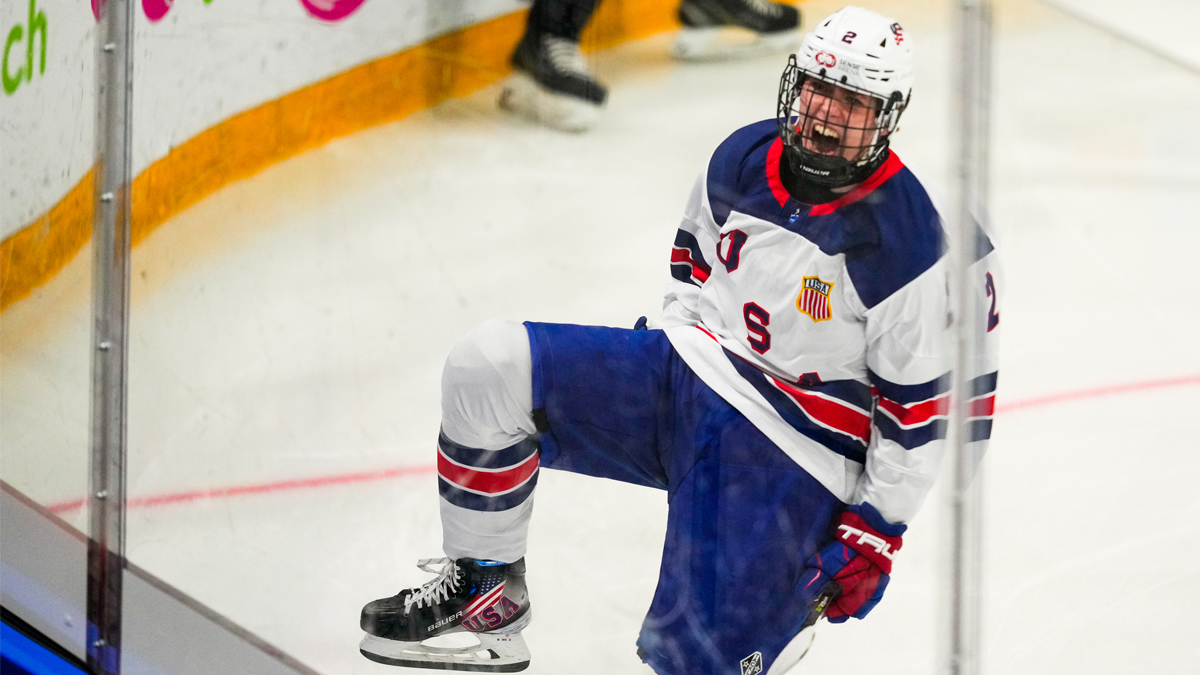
{"x":828,"y":161}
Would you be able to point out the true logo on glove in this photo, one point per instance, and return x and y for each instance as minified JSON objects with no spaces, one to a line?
{"x":868,"y":539}
{"x":752,"y":665}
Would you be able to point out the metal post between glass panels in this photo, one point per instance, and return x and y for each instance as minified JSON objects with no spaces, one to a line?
{"x":110,"y":312}
{"x":972,"y":69}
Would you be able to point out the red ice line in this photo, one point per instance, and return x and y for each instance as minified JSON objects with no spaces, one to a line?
{"x":261,"y":488}
{"x":367,"y":476}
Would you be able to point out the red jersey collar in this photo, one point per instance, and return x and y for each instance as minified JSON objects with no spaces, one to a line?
{"x":889,"y":168}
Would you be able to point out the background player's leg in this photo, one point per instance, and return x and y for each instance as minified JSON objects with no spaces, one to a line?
{"x":771,"y":26}
{"x":487,"y":455}
{"x":552,"y":83}
{"x":564,"y":18}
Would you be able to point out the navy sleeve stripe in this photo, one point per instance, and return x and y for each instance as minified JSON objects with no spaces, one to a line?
{"x":683,"y":273}
{"x":906,"y":394}
{"x":979,"y":430}
{"x":984,"y":384}
{"x":913,"y":438}
{"x":687,"y":241}
{"x":478,"y":502}
{"x":487,"y":459}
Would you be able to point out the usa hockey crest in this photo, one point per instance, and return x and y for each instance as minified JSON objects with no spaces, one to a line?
{"x":814,"y":299}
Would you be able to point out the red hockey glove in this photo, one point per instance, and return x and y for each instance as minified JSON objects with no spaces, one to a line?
{"x":859,"y":561}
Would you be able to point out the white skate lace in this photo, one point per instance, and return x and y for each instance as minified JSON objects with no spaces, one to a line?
{"x":564,"y":55}
{"x":438,"y":589}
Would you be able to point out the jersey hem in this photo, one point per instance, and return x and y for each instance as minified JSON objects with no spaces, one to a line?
{"x":704,"y":355}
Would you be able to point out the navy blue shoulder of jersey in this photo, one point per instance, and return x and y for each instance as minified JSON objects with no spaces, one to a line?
{"x":737,"y":177}
{"x":907,"y":233}
{"x":887,"y":227}
{"x":908,"y":236}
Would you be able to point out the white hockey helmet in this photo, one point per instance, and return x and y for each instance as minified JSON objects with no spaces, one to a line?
{"x":869,"y":56}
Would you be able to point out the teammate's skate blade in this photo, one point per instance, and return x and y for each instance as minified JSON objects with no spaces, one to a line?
{"x":503,"y":651}
{"x":717,"y":43}
{"x":523,"y":96}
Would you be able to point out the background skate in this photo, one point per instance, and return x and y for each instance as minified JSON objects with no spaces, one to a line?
{"x":291,"y":326}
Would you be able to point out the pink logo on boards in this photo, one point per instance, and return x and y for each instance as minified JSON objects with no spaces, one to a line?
{"x":156,"y":9}
{"x":331,"y":10}
{"x":326,"y":10}
{"x":826,"y":59}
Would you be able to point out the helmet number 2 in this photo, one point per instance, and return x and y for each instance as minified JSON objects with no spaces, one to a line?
{"x":757,"y":320}
{"x":848,"y":38}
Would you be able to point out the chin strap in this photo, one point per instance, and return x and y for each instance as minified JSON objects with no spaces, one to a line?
{"x":840,"y":174}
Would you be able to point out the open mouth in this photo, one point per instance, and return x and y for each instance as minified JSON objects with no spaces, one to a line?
{"x":824,"y":140}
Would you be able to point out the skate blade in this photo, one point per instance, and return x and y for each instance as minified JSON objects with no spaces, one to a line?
{"x":718,"y":44}
{"x":502,"y":651}
{"x":521,"y":95}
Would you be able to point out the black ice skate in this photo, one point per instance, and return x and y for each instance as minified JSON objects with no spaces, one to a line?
{"x":773,"y":27}
{"x":475,"y":599}
{"x":552,"y":84}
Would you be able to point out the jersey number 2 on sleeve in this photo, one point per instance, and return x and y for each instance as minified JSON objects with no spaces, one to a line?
{"x":757,"y":320}
{"x":993,"y":317}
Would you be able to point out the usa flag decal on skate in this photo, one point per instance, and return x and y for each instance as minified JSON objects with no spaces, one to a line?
{"x":489,"y":610}
{"x":814,"y":299}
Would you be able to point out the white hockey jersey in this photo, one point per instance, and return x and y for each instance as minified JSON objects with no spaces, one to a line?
{"x":828,"y":325}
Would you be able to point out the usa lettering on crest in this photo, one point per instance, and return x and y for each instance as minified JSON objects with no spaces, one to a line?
{"x":814,"y":299}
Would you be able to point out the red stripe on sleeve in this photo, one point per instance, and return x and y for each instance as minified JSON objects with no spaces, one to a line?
{"x":682,"y":255}
{"x":917,"y":413}
{"x":983,"y":407}
{"x":488,"y":482}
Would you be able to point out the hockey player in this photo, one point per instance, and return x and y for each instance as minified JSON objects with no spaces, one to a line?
{"x":790,"y":399}
{"x":553,"y":85}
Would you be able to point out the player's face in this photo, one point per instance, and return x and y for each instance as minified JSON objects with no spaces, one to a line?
{"x":835,"y":121}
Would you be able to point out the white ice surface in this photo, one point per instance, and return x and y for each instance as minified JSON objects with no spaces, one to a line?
{"x":293,"y":326}
{"x":1167,"y":27}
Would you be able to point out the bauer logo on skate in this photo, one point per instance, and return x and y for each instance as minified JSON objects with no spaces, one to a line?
{"x":814,"y":299}
{"x":444,"y":621}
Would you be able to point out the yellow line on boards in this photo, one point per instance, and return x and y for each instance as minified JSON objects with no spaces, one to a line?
{"x":383,"y":90}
